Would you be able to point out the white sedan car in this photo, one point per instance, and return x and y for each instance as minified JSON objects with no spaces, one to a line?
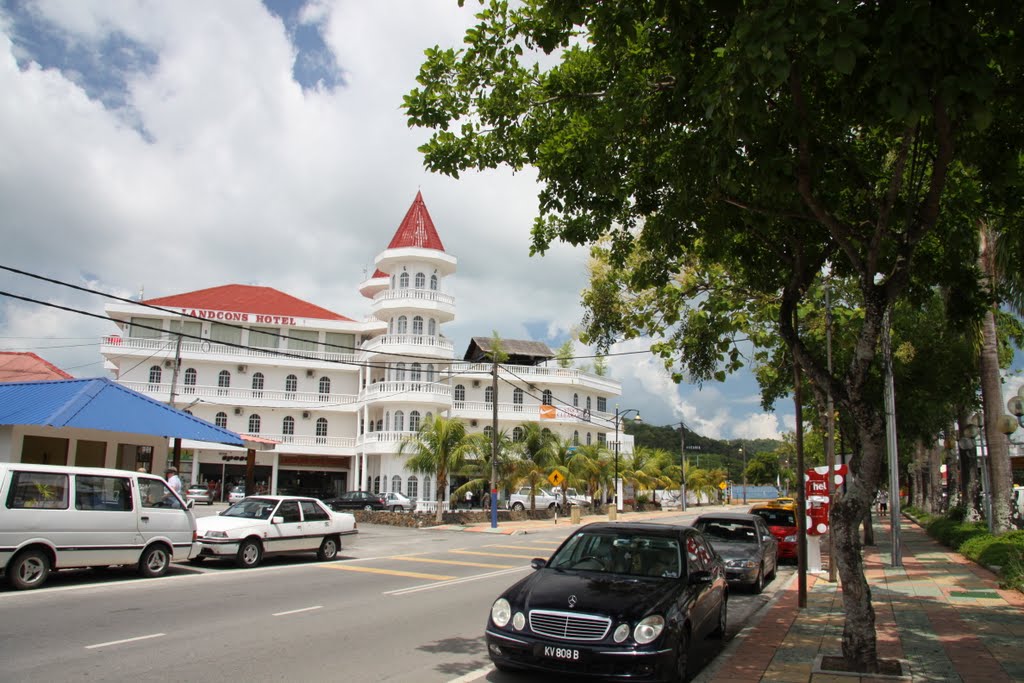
{"x":260,"y":526}
{"x":396,"y":502}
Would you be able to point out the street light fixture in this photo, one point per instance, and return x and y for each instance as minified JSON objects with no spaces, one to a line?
{"x":618,"y":416}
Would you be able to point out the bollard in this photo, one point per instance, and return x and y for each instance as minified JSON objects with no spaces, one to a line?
{"x":575,"y":512}
{"x":612,"y":513}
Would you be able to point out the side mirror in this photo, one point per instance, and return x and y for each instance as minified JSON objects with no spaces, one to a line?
{"x":189,"y":504}
{"x":538,"y":563}
{"x":277,"y":520}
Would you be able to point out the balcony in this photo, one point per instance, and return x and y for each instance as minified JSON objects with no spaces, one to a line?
{"x":312,"y":444}
{"x":411,"y":344}
{"x":239,"y":396}
{"x":407,"y":392}
{"x":532,"y":412}
{"x":381,"y":442}
{"x":533,"y":374}
{"x":427,"y":300}
{"x":223,"y":353}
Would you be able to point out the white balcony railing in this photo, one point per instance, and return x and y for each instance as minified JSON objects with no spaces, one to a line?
{"x":532,"y":412}
{"x":343,"y":442}
{"x":538,"y":373}
{"x":188,"y":393}
{"x":433,"y":345}
{"x":419,"y":294}
{"x":431,"y":392}
{"x":193,"y":348}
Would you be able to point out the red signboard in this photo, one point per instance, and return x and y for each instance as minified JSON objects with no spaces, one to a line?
{"x":816,"y":483}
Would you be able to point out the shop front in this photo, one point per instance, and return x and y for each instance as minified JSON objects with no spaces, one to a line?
{"x":320,"y":476}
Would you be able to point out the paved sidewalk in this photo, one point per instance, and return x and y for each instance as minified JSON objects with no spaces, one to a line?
{"x":944,"y":616}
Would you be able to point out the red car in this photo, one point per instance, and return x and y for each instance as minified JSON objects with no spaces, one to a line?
{"x":781,"y":521}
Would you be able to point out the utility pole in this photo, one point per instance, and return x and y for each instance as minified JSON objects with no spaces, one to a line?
{"x":174,"y":388}
{"x":830,"y":440}
{"x":494,"y":442}
{"x":682,"y":463}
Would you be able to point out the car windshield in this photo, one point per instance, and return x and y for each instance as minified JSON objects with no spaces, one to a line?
{"x":620,"y":553}
{"x":776,"y":517}
{"x":252,"y":508}
{"x":731,"y":530}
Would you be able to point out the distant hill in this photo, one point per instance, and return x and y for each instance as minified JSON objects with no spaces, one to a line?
{"x":700,"y":449}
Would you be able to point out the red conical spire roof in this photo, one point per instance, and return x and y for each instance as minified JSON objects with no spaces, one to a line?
{"x":417,"y":229}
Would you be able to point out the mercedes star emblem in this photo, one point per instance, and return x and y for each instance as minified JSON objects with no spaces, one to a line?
{"x":572,"y":601}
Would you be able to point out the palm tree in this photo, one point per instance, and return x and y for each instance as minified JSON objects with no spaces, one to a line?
{"x":537,"y":450}
{"x":599,"y":470}
{"x":439,"y":448}
{"x":477,"y":467}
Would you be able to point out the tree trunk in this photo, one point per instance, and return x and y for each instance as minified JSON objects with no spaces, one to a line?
{"x":936,"y":455}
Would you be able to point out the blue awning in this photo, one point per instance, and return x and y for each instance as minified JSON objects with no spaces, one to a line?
{"x":99,"y":403}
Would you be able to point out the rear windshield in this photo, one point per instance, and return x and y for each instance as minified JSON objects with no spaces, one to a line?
{"x":774,"y":517}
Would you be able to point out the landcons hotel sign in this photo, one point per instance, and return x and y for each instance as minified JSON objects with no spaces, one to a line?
{"x":233,"y":317}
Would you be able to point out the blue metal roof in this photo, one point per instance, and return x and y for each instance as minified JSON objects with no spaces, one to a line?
{"x":100,"y":403}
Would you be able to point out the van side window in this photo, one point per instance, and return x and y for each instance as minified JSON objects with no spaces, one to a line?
{"x":38,"y":490}
{"x":156,"y":494}
{"x":103,"y":493}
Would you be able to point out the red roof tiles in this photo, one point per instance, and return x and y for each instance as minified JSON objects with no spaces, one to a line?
{"x":417,"y":229}
{"x":17,"y":366}
{"x":248,"y":299}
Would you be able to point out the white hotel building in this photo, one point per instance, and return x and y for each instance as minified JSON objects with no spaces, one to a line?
{"x":334,"y":395}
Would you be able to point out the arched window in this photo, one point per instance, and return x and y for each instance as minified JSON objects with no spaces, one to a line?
{"x":588,"y":438}
{"x":428,"y":417}
{"x":254,"y":424}
{"x":414,"y":373}
{"x":428,"y":489}
{"x":190,"y":381}
{"x":433,"y":282}
{"x":432,"y":327}
{"x":403,"y":281}
{"x":223,"y":382}
{"x":576,"y":400}
{"x":417,"y":324}
{"x":460,"y":395}
{"x":421,"y":280}
{"x":414,"y":421}
{"x":489,"y":432}
{"x":155,"y":373}
{"x":412,"y":488}
{"x":396,"y":484}
{"x":257,"y":385}
{"x":517,"y":434}
{"x":403,"y":325}
{"x":400,"y":372}
{"x":321,"y":430}
{"x":221,"y":420}
{"x":370,"y":426}
{"x":546,"y":400}
{"x":588,"y":404}
{"x":387,"y":420}
{"x":287,"y":428}
{"x":376,"y":484}
{"x":517,"y":399}
{"x":489,"y":395}
{"x":380,"y":424}
{"x":291,"y":385}
{"x":399,"y":421}
{"x":325,"y":388}
{"x":576,"y":438}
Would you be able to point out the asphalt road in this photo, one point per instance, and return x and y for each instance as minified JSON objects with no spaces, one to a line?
{"x":399,"y":605}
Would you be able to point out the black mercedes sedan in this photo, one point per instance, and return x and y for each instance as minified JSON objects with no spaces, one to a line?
{"x":356,"y":500}
{"x":615,"y":601}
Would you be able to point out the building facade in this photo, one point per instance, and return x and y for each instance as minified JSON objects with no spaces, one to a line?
{"x":337,"y":396}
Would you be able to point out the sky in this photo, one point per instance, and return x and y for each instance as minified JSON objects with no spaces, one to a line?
{"x":156,"y":148}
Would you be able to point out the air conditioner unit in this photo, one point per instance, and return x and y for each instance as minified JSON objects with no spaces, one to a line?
{"x":306,"y":415}
{"x":476,"y":383}
{"x":472,"y":423}
{"x":243,"y":369}
{"x":238,"y":411}
{"x":310,"y":373}
{"x":168,"y":363}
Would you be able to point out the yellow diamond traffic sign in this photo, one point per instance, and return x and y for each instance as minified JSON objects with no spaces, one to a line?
{"x":723,"y":486}
{"x":556,"y":478}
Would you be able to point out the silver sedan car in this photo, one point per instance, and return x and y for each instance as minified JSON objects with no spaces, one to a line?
{"x":199,"y":494}
{"x":396,"y":502}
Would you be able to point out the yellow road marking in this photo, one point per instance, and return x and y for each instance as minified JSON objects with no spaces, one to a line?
{"x":513,"y":547}
{"x":391,"y":572}
{"x":456,"y":562}
{"x":473,"y":552}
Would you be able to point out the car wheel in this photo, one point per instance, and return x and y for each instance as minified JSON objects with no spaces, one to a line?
{"x":518,"y":506}
{"x":723,"y":620}
{"x":367,"y":507}
{"x":396,"y":508}
{"x":758,"y":584}
{"x":328,"y":549}
{"x":28,"y":570}
{"x":683,"y":658}
{"x":154,"y":561}
{"x":209,"y":502}
{"x":250,"y":553}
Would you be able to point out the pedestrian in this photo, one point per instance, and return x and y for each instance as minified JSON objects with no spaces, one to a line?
{"x":883,"y":503}
{"x":469,"y":499}
{"x":485,"y":501}
{"x":173,"y":480}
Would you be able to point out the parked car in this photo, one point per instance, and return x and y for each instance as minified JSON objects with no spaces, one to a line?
{"x":236,"y":494}
{"x":622,"y":600}
{"x":356,"y":500}
{"x":396,"y":502}
{"x":748,"y":549}
{"x":544,"y":499}
{"x":262,"y":526}
{"x":781,"y":521}
{"x":199,"y":494}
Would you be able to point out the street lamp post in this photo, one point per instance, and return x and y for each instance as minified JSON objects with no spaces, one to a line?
{"x":682,"y":464}
{"x":744,"y":454}
{"x":618,"y":416}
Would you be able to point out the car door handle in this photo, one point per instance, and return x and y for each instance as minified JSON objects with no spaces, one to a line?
{"x":144,"y":518}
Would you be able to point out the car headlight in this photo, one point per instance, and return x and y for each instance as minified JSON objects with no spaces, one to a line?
{"x":501,"y":612}
{"x":215,"y":534}
{"x":648,"y":629}
{"x":621,"y":633}
{"x":741,"y":564}
{"x":790,"y":539}
{"x":519,"y":621}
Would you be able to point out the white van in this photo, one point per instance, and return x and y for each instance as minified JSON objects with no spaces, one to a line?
{"x":54,"y":517}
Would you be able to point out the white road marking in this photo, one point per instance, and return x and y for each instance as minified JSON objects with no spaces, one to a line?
{"x":126,"y":640}
{"x":454,"y":582}
{"x":473,"y":675}
{"x":296,"y":611}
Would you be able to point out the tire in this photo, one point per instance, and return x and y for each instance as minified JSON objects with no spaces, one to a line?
{"x":518,"y":506}
{"x":155,"y":561}
{"x":723,"y":620}
{"x":28,"y":570}
{"x":683,"y":658}
{"x":367,"y":507}
{"x":758,"y":584}
{"x":250,"y":554}
{"x":396,"y":508}
{"x":328,"y":549}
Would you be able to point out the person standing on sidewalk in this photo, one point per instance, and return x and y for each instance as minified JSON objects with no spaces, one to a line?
{"x":882,"y":501}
